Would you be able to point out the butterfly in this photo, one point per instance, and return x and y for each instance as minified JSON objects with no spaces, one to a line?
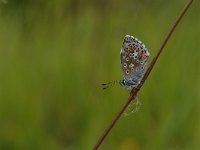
{"x":133,"y":59}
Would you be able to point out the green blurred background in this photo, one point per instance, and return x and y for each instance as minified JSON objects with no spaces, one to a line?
{"x":54,"y":54}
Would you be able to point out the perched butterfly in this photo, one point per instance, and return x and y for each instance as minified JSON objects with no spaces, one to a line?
{"x":133,"y":58}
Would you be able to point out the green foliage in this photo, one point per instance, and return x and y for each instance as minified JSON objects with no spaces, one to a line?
{"x":55,"y":54}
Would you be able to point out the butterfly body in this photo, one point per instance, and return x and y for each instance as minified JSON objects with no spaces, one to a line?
{"x":133,"y":58}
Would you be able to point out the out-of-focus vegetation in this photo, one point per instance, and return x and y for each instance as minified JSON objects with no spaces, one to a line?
{"x":54,"y":54}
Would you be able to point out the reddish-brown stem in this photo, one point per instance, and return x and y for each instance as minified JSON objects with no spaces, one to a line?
{"x":135,"y":90}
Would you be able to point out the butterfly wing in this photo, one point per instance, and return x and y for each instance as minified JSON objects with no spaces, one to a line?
{"x":133,"y":57}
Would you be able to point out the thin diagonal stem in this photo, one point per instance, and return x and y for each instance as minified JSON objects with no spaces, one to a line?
{"x":135,"y":90}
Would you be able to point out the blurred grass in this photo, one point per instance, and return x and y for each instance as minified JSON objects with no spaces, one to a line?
{"x":55,"y":54}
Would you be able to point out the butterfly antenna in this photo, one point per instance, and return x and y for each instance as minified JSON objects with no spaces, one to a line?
{"x":109,"y":84}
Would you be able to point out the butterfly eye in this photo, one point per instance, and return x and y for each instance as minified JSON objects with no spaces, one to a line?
{"x":127,"y":72}
{"x":127,"y":59}
{"x":125,"y":65}
{"x":141,"y":62}
{"x":124,"y":82}
{"x":132,"y":69}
